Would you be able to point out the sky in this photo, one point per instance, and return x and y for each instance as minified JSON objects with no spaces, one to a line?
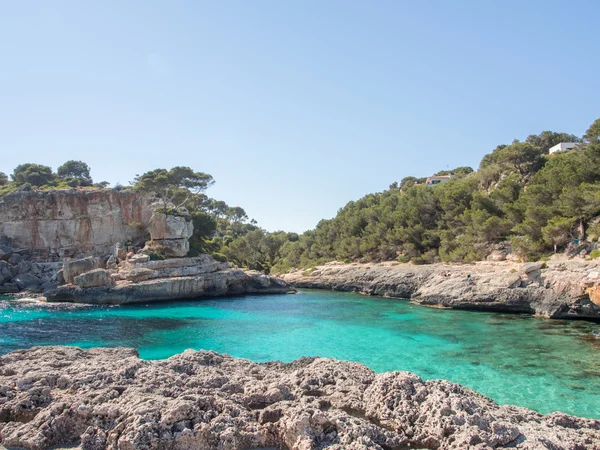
{"x":294,"y":107}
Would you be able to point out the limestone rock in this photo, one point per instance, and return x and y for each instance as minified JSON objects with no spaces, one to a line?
{"x":94,"y":278}
{"x":169,"y":248}
{"x":557,"y":291}
{"x":168,"y":226}
{"x":75,"y":267}
{"x":110,"y":399}
{"x":212,"y":284}
{"x":26,"y":280}
{"x":140,"y":274}
{"x":63,"y":223}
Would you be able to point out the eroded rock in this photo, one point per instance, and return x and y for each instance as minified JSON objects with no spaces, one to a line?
{"x":110,"y":399}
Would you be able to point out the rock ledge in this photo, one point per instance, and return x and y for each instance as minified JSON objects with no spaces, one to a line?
{"x":110,"y":399}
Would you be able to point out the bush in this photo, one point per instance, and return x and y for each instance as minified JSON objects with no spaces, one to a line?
{"x":595,"y":254}
{"x":156,"y":257}
{"x":219,"y":257}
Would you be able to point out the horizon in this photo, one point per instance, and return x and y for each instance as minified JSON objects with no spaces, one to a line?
{"x":295,"y":110}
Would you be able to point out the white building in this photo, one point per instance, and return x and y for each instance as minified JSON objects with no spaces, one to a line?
{"x":562,"y":147}
{"x":437,"y":179}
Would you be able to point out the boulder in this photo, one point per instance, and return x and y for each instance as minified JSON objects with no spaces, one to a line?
{"x":169,"y":248}
{"x":5,"y":272}
{"x":15,"y":258}
{"x":74,"y":267}
{"x":94,"y":278}
{"x":5,"y":252}
{"x":167,"y":226}
{"x":531,"y":267}
{"x":26,"y":281}
{"x":9,"y":288}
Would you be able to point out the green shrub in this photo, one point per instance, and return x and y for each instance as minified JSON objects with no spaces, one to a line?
{"x":595,"y":254}
{"x":156,"y":256}
{"x":219,"y":257}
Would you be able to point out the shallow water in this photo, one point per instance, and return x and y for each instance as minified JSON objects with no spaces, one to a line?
{"x":545,"y":365}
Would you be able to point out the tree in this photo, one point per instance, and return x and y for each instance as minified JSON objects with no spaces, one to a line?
{"x":166,"y":184}
{"x":3,"y":179}
{"x":523,"y":157}
{"x":34,"y":174}
{"x":75,"y":170}
{"x":547,"y":139}
{"x":592,"y":135}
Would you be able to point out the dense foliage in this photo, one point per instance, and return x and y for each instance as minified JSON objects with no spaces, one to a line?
{"x":519,"y":194}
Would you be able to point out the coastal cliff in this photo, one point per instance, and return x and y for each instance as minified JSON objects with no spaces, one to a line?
{"x":110,"y":399}
{"x":59,"y":223}
{"x":557,"y":289}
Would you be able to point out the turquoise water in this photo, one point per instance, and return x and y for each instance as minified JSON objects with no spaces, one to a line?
{"x":540,"y":364}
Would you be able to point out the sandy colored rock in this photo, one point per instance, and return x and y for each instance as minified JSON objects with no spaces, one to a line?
{"x":73,"y":222}
{"x":167,"y":226}
{"x":110,"y":399}
{"x":94,"y":278}
{"x":555,"y":290}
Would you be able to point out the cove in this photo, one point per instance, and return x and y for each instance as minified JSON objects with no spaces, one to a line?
{"x":545,"y":365}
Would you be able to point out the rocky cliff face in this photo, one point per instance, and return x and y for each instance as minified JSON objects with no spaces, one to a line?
{"x":110,"y":399}
{"x":55,"y":224}
{"x":558,"y":289}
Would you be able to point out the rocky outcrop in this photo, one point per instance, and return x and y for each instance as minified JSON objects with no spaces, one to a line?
{"x":110,"y":399}
{"x":141,"y":281}
{"x":557,"y":289}
{"x":169,"y":235}
{"x":56,"y":224}
{"x":17,"y":274}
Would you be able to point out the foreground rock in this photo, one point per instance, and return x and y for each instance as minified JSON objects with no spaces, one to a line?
{"x":143,"y":281}
{"x":110,"y":399}
{"x":557,"y":289}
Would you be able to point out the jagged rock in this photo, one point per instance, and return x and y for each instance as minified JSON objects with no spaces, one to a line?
{"x":5,"y":272}
{"x":15,"y":258}
{"x":556,"y":291}
{"x":75,"y":267}
{"x":26,"y":281}
{"x":94,"y":278}
{"x":5,"y":252}
{"x":220,"y":283}
{"x":109,"y":398}
{"x":139,"y":258}
{"x":167,"y":226}
{"x":169,"y":248}
{"x":532,"y":267}
{"x":9,"y":288}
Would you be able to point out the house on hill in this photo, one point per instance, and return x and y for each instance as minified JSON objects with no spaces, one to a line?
{"x":437,"y":179}
{"x":562,"y":147}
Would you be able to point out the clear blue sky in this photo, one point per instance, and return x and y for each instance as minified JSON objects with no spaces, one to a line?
{"x":295,"y":107}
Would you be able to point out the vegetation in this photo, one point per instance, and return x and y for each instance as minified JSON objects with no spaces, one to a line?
{"x":520,"y":194}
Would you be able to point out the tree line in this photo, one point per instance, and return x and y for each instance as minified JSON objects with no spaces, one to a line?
{"x":520,"y":194}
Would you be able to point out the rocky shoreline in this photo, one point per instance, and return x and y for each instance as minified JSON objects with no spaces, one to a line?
{"x":111,"y":399}
{"x":560,"y":289}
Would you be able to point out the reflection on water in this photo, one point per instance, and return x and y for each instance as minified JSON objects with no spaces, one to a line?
{"x":541,"y":364}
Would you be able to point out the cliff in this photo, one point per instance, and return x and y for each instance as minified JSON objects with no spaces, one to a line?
{"x":110,"y":399}
{"x":55,"y":224}
{"x":557,"y":289}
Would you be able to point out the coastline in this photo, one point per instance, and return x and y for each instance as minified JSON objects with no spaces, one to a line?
{"x":556,"y":289}
{"x":110,"y":398}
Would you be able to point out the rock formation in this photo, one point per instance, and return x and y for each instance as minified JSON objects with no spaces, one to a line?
{"x":557,"y":289}
{"x":169,"y":235}
{"x":62,"y":223}
{"x":139,"y":280}
{"x":110,"y":399}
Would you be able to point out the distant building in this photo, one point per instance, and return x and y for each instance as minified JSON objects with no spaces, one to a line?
{"x":437,"y":179}
{"x":562,"y":147}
